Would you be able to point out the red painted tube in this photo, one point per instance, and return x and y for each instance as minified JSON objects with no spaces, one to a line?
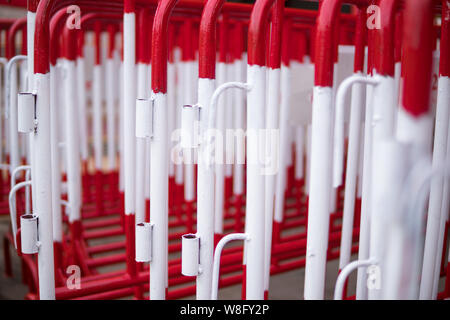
{"x":360,"y":41}
{"x":276,"y":34}
{"x":129,"y":6}
{"x":32,"y":5}
{"x":298,"y":48}
{"x":257,"y":33}
{"x":444,"y":66}
{"x":111,"y":29}
{"x":384,"y":46}
{"x":56,"y":24}
{"x":223,"y":35}
{"x":70,"y":42}
{"x":24,"y":41}
{"x":160,"y":46}
{"x":417,"y":56}
{"x":19,"y":24}
{"x":398,"y":36}
{"x":207,"y":39}
{"x":80,"y":44}
{"x":97,"y":32}
{"x":324,"y":43}
{"x":237,"y":41}
{"x":42,"y":34}
{"x":285,"y":46}
{"x":111,"y":17}
{"x":143,"y":32}
{"x":188,"y":49}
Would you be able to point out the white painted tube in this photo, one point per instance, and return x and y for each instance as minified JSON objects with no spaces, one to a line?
{"x":398,"y":80}
{"x":141,"y":142}
{"x":308,"y":158}
{"x":189,"y":118}
{"x":220,"y":152}
{"x":3,"y":99}
{"x":144,"y":237}
{"x":284,"y":141}
{"x":299,"y":152}
{"x":256,"y":101}
{"x":320,"y":192}
{"x":121,"y":130}
{"x":82,"y":116}
{"x":25,"y":168}
{"x":29,"y":234}
{"x":31,"y":22}
{"x":97,"y":103}
{"x":434,"y":220}
{"x":144,"y":118}
{"x":171,"y":105}
{"x":239,"y":124}
{"x":364,"y":230}
{"x":387,"y":186}
{"x":271,"y":155}
{"x":229,"y":118}
{"x":72,"y":142}
{"x":345,"y":272}
{"x":26,"y":103}
{"x":179,"y":177}
{"x":205,"y":195}
{"x":110,"y":90}
{"x":147,"y":146}
{"x":384,"y":109}
{"x":129,"y":112}
{"x":190,"y":253}
{"x":354,"y":143}
{"x":42,"y":177}
{"x":11,"y":90}
{"x":361,"y":160}
{"x":188,"y":98}
{"x":59,"y":74}
{"x":55,"y":158}
{"x":445,"y":215}
{"x":339,"y":135}
{"x":12,"y":206}
{"x":216,"y":269}
{"x":216,"y":95}
{"x":159,"y":203}
{"x":23,"y":87}
{"x":27,"y":193}
{"x":444,"y":218}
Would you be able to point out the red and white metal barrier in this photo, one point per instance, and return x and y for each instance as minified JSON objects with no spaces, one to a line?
{"x":285,"y":195}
